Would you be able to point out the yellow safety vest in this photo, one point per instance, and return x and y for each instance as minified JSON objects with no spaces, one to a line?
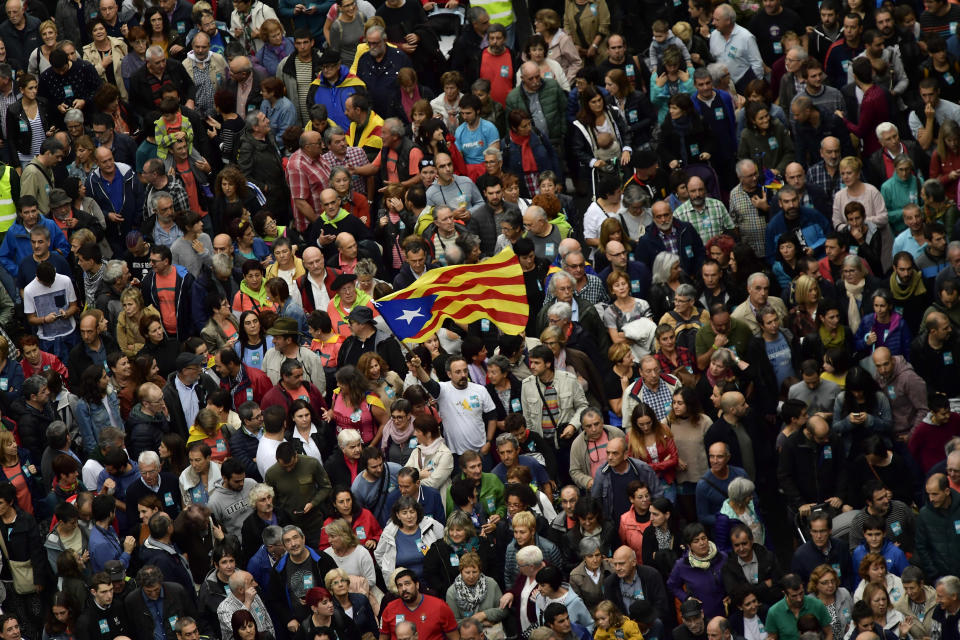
{"x":8,"y":210}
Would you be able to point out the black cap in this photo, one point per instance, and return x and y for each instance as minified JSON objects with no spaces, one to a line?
{"x":329,"y":57}
{"x":691,"y":608}
{"x":645,"y":158}
{"x":185,"y":360}
{"x":361,"y":315}
{"x":343,"y":279}
{"x":115,"y":570}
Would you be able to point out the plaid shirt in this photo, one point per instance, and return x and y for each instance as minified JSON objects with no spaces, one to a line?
{"x":660,"y":400}
{"x":752,"y":227}
{"x":709,"y":223}
{"x":594,"y":291}
{"x":671,"y":240}
{"x":353,"y":157}
{"x":817,"y":175}
{"x":684,"y":359}
{"x":306,"y":178}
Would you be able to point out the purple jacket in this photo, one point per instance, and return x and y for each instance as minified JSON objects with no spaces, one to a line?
{"x":705,"y":585}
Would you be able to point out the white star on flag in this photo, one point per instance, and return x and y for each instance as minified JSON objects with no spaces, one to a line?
{"x":409,"y":315}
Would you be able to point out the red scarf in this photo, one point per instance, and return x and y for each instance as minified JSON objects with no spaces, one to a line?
{"x":528,"y":162}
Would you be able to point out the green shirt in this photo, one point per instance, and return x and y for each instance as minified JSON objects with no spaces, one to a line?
{"x":781,"y":621}
{"x":738,"y":337}
{"x":490,"y":498}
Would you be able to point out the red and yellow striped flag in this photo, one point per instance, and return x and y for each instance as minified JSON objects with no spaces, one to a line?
{"x":492,"y":290}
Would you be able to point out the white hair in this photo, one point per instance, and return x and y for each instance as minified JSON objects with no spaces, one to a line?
{"x":347,"y":437}
{"x":530,"y":555}
{"x":148,"y":457}
{"x":742,"y":164}
{"x":885,"y":127}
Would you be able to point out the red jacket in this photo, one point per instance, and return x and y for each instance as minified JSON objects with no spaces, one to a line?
{"x":254,"y":381}
{"x":47,"y":361}
{"x":667,"y":454}
{"x":364,"y":520}
{"x":279,"y":395}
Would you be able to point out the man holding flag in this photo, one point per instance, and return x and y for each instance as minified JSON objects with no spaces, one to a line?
{"x":493,"y":290}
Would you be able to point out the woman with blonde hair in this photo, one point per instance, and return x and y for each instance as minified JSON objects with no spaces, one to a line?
{"x":875,"y":209}
{"x":475,"y":595}
{"x":276,"y":45}
{"x":39,"y":60}
{"x":129,"y":338}
{"x":347,"y":552}
{"x":613,"y":625}
{"x":805,"y":318}
{"x":560,"y":46}
{"x":351,"y":605}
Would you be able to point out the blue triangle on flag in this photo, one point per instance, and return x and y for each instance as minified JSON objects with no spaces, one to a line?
{"x":406,"y":317}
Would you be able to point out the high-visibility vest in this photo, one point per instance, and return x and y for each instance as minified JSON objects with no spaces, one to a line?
{"x":8,"y":210}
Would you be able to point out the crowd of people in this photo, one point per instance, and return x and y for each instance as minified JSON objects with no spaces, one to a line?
{"x":732,"y":412}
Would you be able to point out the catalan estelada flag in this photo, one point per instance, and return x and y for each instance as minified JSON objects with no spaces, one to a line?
{"x":491,"y":290}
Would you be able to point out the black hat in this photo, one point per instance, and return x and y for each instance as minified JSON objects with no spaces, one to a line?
{"x":361,"y":315}
{"x":329,"y":57}
{"x":115,"y":570}
{"x":643,"y":612}
{"x":185,"y":360}
{"x":691,"y":608}
{"x":342,"y":279}
{"x":645,"y":158}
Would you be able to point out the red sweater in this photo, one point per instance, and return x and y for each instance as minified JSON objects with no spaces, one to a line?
{"x":363,"y":520}
{"x":873,"y":110}
{"x":47,"y":361}
{"x":927,"y":441}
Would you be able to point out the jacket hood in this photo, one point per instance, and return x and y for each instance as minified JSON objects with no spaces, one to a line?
{"x":899,"y":366}
{"x":137,"y":415}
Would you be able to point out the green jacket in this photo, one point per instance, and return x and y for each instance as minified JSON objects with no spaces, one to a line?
{"x":308,"y":482}
{"x":938,"y":539}
{"x":897,"y":194}
{"x":491,"y":496}
{"x":553,"y":101}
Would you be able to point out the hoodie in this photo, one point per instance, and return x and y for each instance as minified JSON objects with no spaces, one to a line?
{"x":144,"y":431}
{"x":54,"y":545}
{"x":907,"y":394}
{"x":334,"y":94}
{"x":230,"y":508}
{"x":575,"y":606}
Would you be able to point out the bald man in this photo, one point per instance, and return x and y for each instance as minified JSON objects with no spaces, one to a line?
{"x":631,"y":581}
{"x":938,"y":545}
{"x":733,"y":429}
{"x":314,"y":285}
{"x":244,"y":81}
{"x":669,"y":233}
{"x":334,"y":221}
{"x":637,"y":272}
{"x":551,"y":121}
{"x":306,"y":175}
{"x":813,"y":447}
{"x":906,"y":391}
